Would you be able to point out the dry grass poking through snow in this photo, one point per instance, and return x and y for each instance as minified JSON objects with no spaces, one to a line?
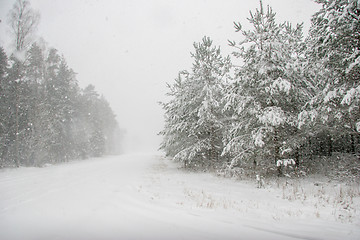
{"x":207,"y":200}
{"x":281,"y":199}
{"x":343,"y":199}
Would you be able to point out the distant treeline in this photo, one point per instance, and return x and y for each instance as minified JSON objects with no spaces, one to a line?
{"x":45,"y":117}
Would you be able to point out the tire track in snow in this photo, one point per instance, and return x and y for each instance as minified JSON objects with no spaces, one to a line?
{"x":286,"y":234}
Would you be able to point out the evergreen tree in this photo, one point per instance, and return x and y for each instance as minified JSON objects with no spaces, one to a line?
{"x":109,"y":125}
{"x":38,"y":118}
{"x":268,"y":90}
{"x":194,"y":121}
{"x":4,"y":107}
{"x":333,"y":53}
{"x":176,"y":133}
{"x":23,"y":21}
{"x":18,"y":92}
{"x":102,"y":123}
{"x":61,"y":94}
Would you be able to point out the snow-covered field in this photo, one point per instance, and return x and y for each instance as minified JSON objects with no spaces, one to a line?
{"x":145,"y":196}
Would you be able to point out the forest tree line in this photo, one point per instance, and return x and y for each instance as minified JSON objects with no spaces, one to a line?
{"x":286,"y":99}
{"x":45,"y":117}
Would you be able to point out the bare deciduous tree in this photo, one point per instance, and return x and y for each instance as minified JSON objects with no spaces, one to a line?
{"x":23,"y":21}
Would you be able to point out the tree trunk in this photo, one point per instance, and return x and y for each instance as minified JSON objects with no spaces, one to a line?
{"x":16,"y":160}
{"x":310,"y":151}
{"x":297,"y":157}
{"x":212,"y":150}
{"x":277,"y":152}
{"x":330,"y":145}
{"x":353,"y":144}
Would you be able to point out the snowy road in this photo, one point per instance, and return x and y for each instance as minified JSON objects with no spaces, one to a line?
{"x":148,"y":197}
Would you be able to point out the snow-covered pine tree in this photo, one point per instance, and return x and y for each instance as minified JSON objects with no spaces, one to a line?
{"x":23,"y":21}
{"x":5,"y":113}
{"x":52,"y":90}
{"x":333,"y":53}
{"x":267,"y":92}
{"x":109,"y":126}
{"x":175,"y":133}
{"x":61,"y":95}
{"x":17,"y":105}
{"x":38,"y":133}
{"x":97,"y":123}
{"x":193,"y":131}
{"x":209,"y":75}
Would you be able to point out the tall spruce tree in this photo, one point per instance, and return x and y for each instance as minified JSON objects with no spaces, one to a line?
{"x":4,"y":107}
{"x":35,"y":73}
{"x":23,"y":21}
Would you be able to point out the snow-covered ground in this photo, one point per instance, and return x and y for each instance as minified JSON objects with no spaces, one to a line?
{"x":145,"y":196}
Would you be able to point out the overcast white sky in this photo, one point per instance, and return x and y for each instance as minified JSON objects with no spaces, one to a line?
{"x":129,"y":49}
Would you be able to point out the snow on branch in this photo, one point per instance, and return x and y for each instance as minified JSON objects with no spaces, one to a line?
{"x":273,"y":116}
{"x":280,"y":85}
{"x":350,"y":95}
{"x":285,"y":162}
